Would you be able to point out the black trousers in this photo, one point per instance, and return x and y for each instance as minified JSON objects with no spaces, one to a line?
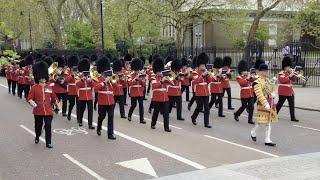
{"x":187,"y":91}
{"x":13,"y":87}
{"x":9,"y":82}
{"x":178,"y":101}
{"x":25,"y":89}
{"x":216,"y":98}
{"x":82,"y":107}
{"x":149,"y":87}
{"x":246,"y":103}
{"x":73,"y":100}
{"x":290,"y":99}
{"x":228,"y":90}
{"x":102,"y":112}
{"x":63,"y":97}
{"x":162,"y":107}
{"x":134,"y":101}
{"x":95,"y":100}
{"x":125,"y":94}
{"x":193,"y":98}
{"x":202,"y":103}
{"x":20,"y":90}
{"x":120,"y":101}
{"x":38,"y":122}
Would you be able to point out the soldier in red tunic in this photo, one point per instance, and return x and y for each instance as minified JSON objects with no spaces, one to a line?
{"x":193,"y":74}
{"x":225,"y":81}
{"x":15,"y":74}
{"x":285,"y":90}
{"x":21,"y":78}
{"x":185,"y":80}
{"x":246,"y":94}
{"x":126,"y":71}
{"x":106,"y":100}
{"x":85,"y":85}
{"x":160,"y":100}
{"x":118,"y":87}
{"x":215,"y":85}
{"x":41,"y":98}
{"x":137,"y":82}
{"x":27,"y":75}
{"x":174,"y":91}
{"x":8,"y":73}
{"x":201,"y":89}
{"x":71,"y":84}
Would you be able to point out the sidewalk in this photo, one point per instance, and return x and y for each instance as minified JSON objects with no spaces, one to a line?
{"x":307,"y":98}
{"x":305,"y":166}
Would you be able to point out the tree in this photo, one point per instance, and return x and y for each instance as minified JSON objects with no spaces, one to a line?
{"x":80,"y":36}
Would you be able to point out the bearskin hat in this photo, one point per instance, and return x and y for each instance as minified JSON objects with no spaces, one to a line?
{"x":103,"y":64}
{"x":117,"y":65}
{"x":22,"y":64}
{"x":227,"y":60}
{"x":48,"y":60}
{"x":84,"y":65}
{"x":143,"y":59}
{"x":93,"y":58}
{"x":127,"y":57}
{"x":29,"y":60}
{"x":242,"y":66}
{"x":218,"y":63}
{"x":61,"y":61}
{"x":176,"y":65}
{"x":150,"y":59}
{"x":158,"y":64}
{"x":40,"y":71}
{"x":136,"y":64}
{"x":258,"y":62}
{"x":194,"y":62}
{"x":203,"y":58}
{"x":184,"y":61}
{"x":73,"y":61}
{"x":168,"y":59}
{"x":286,"y":61}
{"x":110,"y":57}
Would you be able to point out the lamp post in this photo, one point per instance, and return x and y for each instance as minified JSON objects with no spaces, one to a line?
{"x":30,"y":31}
{"x":101,"y":21}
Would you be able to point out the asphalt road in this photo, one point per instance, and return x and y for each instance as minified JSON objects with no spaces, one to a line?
{"x":140,"y":152}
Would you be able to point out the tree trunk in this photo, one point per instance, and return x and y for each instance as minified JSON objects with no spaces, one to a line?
{"x":96,"y":24}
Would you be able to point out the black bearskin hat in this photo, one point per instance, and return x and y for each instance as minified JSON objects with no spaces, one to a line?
{"x":29,"y":60}
{"x":40,"y":71}
{"x":127,"y":57}
{"x":22,"y":64}
{"x":61,"y":61}
{"x":194,"y":62}
{"x":184,"y":61}
{"x":258,"y":62}
{"x":203,"y":58}
{"x":93,"y":58}
{"x":263,"y":67}
{"x":243,"y":66}
{"x":103,"y":64}
{"x":117,"y":65}
{"x":286,"y":61}
{"x":176,"y":65}
{"x":227,"y":60}
{"x":73,"y":61}
{"x":84,"y":65}
{"x":218,"y":63}
{"x":143,"y":59}
{"x":157,"y":64}
{"x":48,"y":60}
{"x":169,"y":58}
{"x":136,"y":64}
{"x":150,"y":59}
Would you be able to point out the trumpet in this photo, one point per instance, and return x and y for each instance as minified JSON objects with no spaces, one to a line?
{"x":298,"y":72}
{"x":94,"y":74}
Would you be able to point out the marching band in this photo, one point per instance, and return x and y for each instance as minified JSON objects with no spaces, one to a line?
{"x":49,"y":85}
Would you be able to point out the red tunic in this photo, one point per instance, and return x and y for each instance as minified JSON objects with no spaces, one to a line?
{"x":100,"y":80}
{"x":136,"y":87}
{"x":26,"y":73}
{"x":15,"y":73}
{"x":118,"y":88}
{"x":44,"y":97}
{"x":200,"y":84}
{"x":159,"y":90}
{"x":59,"y":88}
{"x":105,"y":94}
{"x":21,"y":79}
{"x":175,"y":89}
{"x":225,"y":81}
{"x":71,"y":87}
{"x":85,"y":90}
{"x":246,"y":87}
{"x":185,"y":81}
{"x":125,"y":83}
{"x":215,"y":85}
{"x":285,"y":84}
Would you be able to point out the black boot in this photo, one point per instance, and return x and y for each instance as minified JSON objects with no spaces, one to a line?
{"x":270,"y":144}
{"x":254,"y":138}
{"x":49,"y":146}
{"x":99,"y":132}
{"x":208,"y":126}
{"x":112,"y":137}
{"x":36,"y":140}
{"x":236,"y":117}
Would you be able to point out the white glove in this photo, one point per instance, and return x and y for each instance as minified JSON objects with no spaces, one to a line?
{"x":273,"y":95}
{"x":267,"y":107}
{"x":33,"y":104}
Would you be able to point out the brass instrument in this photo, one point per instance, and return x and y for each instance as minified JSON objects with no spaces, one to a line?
{"x":298,"y":72}
{"x":94,"y":73}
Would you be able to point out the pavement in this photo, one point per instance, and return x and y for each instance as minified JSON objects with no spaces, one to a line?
{"x":140,"y":152}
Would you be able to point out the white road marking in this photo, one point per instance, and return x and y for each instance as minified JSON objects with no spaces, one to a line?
{"x":4,"y":86}
{"x":154,"y":148}
{"x":141,"y":165}
{"x":242,"y":146}
{"x":71,"y":131}
{"x":92,"y":173}
{"x":158,"y":122}
{"x":303,"y":127}
{"x":31,"y":132}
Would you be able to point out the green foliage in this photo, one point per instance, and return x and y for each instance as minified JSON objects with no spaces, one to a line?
{"x":262,"y":34}
{"x":80,"y":36}
{"x":309,"y":19}
{"x":11,"y":53}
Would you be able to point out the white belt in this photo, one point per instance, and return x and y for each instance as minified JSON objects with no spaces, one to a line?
{"x":215,"y":83}
{"x":203,"y":83}
{"x":71,"y":84}
{"x":136,"y":86}
{"x":249,"y":87}
{"x":288,"y":85}
{"x":105,"y":92}
{"x":84,"y":89}
{"x":161,"y":90}
{"x":176,"y":87}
